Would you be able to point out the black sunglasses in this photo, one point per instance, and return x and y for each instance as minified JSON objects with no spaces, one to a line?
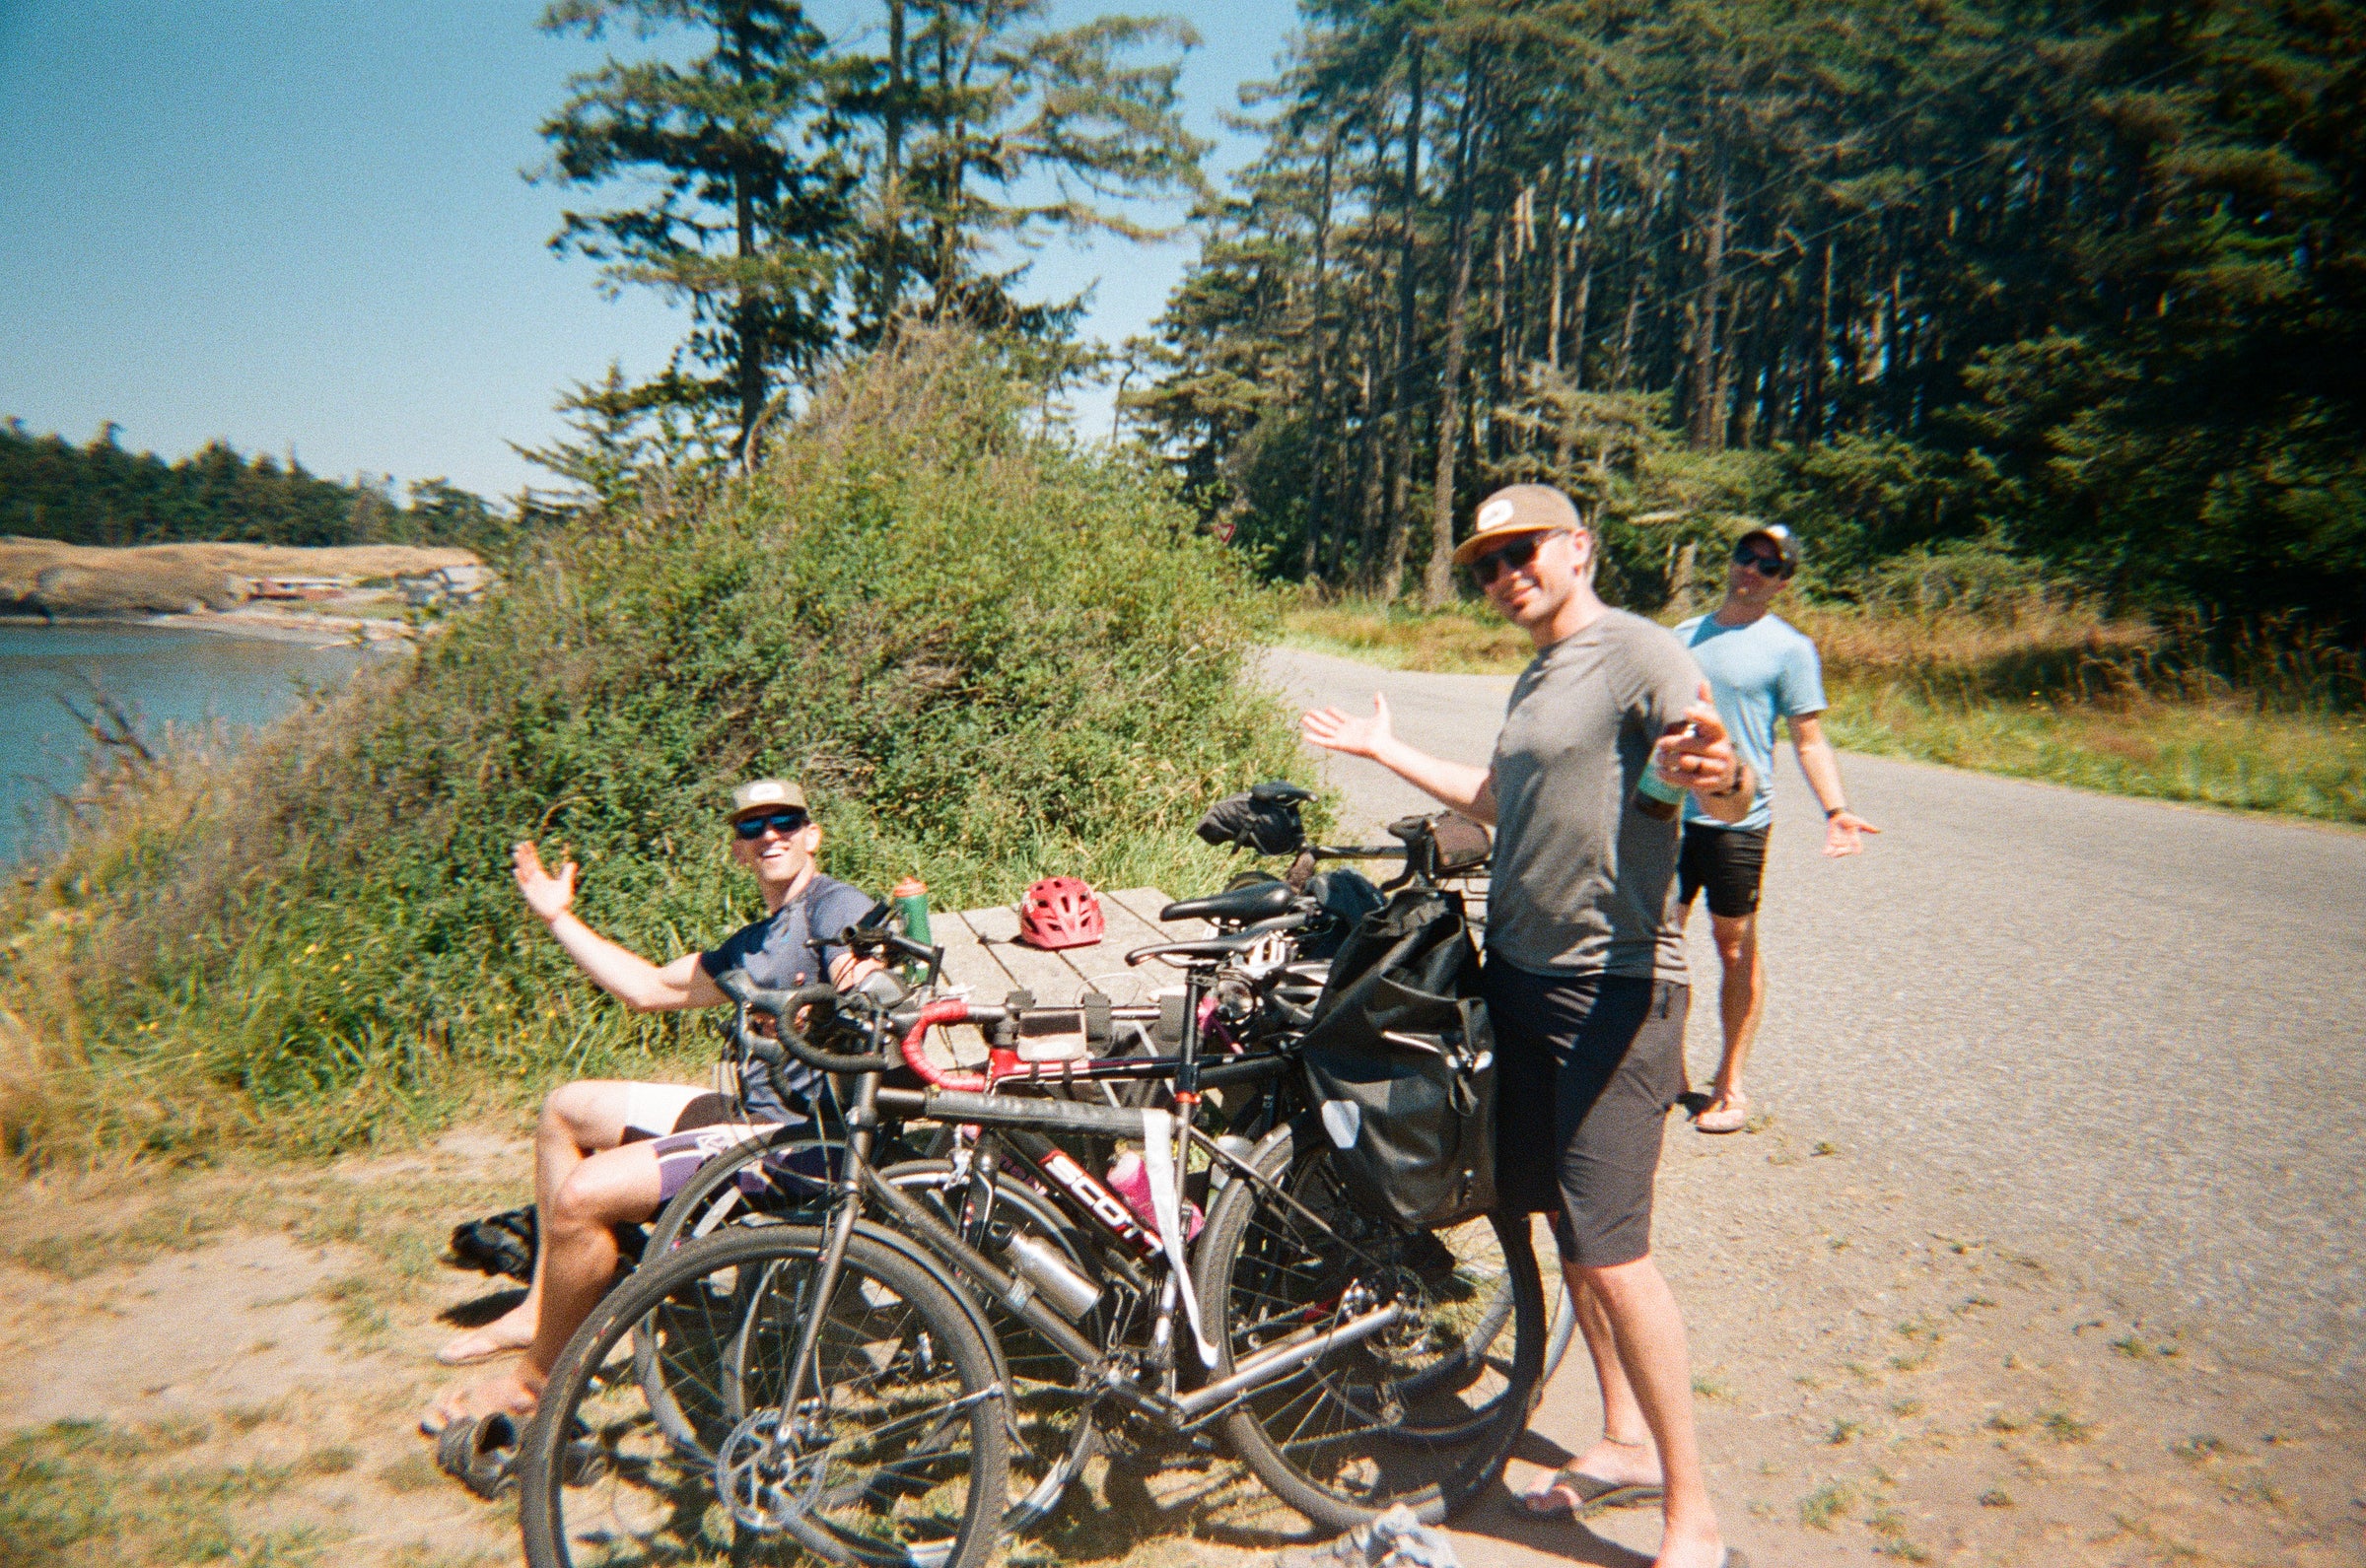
{"x":784,"y":822}
{"x":1506,"y":558}
{"x":1766,"y":566}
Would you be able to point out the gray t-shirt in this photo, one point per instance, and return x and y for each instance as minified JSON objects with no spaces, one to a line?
{"x":1583,"y":883}
{"x":778,"y":954}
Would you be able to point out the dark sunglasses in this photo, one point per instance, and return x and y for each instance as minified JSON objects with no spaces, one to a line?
{"x":784,"y":823}
{"x":1766,"y":566}
{"x":1506,"y":558}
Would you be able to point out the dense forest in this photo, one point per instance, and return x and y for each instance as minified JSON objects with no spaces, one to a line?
{"x":99,"y":493}
{"x":2064,"y":288}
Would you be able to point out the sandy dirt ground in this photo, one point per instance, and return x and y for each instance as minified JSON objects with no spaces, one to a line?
{"x":236,"y":1360}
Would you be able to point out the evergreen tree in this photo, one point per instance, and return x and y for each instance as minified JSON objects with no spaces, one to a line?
{"x":2065,"y":277}
{"x":750,"y":217}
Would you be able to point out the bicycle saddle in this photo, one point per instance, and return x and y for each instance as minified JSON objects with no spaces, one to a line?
{"x":1258,"y":901}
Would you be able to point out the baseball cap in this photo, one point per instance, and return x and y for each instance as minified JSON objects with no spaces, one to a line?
{"x":1513,"y":509}
{"x":1780,"y":537}
{"x":765,"y":795}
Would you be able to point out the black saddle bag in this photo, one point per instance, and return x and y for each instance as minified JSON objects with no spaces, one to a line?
{"x":1400,"y":1064}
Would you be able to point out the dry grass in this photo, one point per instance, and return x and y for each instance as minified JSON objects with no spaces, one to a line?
{"x":2035,"y":689}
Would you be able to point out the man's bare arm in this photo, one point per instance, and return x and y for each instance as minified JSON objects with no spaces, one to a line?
{"x":1468,"y":790}
{"x":1843,"y":829}
{"x":616,"y":969}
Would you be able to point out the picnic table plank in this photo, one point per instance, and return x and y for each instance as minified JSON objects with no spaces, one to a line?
{"x":1050,"y":976}
{"x":1146,"y":902}
{"x":967,"y":962}
{"x":1106,"y":964}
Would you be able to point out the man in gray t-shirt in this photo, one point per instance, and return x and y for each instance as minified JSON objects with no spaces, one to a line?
{"x":1585,"y":976}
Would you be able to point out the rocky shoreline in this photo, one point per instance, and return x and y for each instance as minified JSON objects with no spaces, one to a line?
{"x":231,"y":588}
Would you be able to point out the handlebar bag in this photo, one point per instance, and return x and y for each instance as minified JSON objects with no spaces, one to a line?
{"x":1400,"y":1064}
{"x":1269,"y":827}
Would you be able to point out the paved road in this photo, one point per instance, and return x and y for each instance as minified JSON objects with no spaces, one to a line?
{"x":2128,"y":1033}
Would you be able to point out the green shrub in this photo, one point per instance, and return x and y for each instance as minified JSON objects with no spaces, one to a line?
{"x":989,"y":657}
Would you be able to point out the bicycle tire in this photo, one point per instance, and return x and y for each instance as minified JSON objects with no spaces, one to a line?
{"x":910,"y":1469}
{"x":1425,"y":1415}
{"x":1051,"y":1439}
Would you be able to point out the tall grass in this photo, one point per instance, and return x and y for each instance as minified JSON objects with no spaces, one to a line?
{"x":2018,"y":682}
{"x":988,"y":656}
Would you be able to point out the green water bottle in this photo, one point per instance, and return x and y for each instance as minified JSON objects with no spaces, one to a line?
{"x":1654,"y":796}
{"x":911,"y":901}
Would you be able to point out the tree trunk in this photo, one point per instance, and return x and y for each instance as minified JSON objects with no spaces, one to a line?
{"x":1322,"y":391}
{"x":1392,"y":560}
{"x":1438,"y":583}
{"x":891,"y":193}
{"x":1583,"y":229}
{"x":747,"y":329}
{"x":1709,"y":408}
{"x":1819,"y":366}
{"x":1368,"y":473}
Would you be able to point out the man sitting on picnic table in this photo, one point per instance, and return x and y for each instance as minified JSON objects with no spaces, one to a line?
{"x":609,"y":1152}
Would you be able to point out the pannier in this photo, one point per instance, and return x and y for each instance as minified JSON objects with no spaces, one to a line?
{"x":1400,"y":1064}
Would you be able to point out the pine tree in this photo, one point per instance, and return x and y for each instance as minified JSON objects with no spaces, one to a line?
{"x":750,"y":220}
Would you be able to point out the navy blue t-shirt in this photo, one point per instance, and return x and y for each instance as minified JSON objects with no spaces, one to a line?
{"x":777,"y":953}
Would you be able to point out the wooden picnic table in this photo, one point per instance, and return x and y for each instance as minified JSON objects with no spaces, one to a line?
{"x":983,"y":952}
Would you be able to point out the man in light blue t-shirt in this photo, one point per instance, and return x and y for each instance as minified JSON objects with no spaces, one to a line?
{"x":1761,"y":668}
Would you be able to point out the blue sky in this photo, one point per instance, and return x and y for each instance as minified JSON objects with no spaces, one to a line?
{"x":300,"y":227}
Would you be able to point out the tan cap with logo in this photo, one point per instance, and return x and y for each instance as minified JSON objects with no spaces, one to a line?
{"x":1517,"y":508}
{"x":766,"y":795}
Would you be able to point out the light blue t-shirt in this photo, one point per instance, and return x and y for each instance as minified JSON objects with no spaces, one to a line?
{"x":1760,"y":672}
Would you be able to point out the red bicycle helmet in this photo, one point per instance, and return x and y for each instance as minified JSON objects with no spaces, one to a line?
{"x":1059,"y":912}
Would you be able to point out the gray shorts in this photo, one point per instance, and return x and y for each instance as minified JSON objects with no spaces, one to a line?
{"x":1586,"y":1071}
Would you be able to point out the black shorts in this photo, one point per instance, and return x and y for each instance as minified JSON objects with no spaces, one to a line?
{"x":1586,"y":1070}
{"x":1728,"y":861}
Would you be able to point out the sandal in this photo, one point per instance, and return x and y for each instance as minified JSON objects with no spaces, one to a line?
{"x":480,"y":1452}
{"x":1574,"y":1493}
{"x":1730,"y":1118}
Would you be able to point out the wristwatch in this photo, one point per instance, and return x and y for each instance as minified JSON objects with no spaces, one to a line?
{"x":1835,"y":811}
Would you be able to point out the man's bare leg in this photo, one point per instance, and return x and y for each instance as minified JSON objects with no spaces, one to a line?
{"x":1741,"y":1002}
{"x":1625,"y":1452}
{"x":578,"y":1121}
{"x":616,"y":1187}
{"x":1654,"y":1371}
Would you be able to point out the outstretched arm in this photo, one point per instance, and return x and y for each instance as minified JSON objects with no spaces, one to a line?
{"x":1843,"y":829}
{"x":1468,"y":790}
{"x":619,"y":971}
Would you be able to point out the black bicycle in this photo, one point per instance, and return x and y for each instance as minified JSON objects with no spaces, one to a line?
{"x":840,"y":1388}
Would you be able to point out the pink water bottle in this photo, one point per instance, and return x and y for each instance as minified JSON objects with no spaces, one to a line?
{"x":1129,"y":1179}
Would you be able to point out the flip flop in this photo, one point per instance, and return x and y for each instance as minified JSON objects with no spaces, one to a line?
{"x":1591,"y":1491}
{"x":471,"y":1357}
{"x":480,"y":1452}
{"x":1733,"y":1118}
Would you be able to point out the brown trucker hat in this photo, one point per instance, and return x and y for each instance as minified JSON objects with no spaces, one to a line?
{"x":1517,"y":508}
{"x":766,"y":795}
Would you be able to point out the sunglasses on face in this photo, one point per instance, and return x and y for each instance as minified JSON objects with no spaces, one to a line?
{"x":1510,"y":556}
{"x":1766,"y":566}
{"x":784,"y":823}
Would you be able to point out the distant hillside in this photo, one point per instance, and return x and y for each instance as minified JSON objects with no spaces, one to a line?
{"x":101,"y":495}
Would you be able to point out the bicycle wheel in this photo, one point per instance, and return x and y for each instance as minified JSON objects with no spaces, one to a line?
{"x":1424,"y":1413}
{"x":1051,"y":1437}
{"x":766,"y":1180}
{"x":894,"y":1458}
{"x":769,"y":1181}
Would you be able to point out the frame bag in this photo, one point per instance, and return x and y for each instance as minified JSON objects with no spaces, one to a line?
{"x":1400,"y":1064}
